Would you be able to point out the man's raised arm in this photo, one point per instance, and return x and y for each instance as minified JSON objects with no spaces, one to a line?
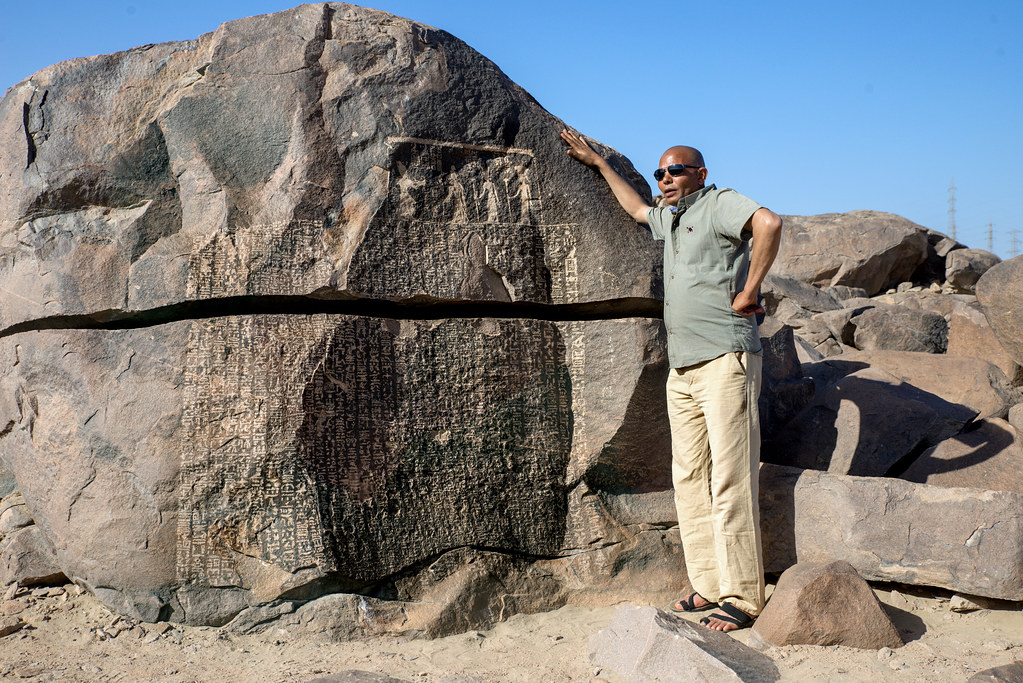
{"x":630,"y":200}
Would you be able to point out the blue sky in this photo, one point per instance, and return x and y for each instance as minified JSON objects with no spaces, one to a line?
{"x":808,"y":107}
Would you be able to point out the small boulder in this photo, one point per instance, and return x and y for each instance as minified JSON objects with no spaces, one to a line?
{"x":896,"y":328}
{"x":645,"y":644}
{"x":964,"y":267}
{"x":27,"y":558}
{"x":825,"y":604}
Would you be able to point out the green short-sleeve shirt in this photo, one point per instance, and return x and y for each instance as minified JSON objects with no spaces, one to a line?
{"x":706,"y":260}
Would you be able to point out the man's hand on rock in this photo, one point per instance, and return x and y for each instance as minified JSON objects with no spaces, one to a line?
{"x":578,"y":149}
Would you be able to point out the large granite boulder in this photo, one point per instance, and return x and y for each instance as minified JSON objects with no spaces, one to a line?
{"x":867,"y":249}
{"x":345,"y":290}
{"x":328,"y":151}
{"x":967,"y":540}
{"x":1000,"y":293}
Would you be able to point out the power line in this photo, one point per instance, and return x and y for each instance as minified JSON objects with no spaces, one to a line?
{"x":990,"y":237}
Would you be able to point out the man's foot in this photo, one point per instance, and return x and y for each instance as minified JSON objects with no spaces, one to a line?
{"x":730,"y":618}
{"x":694,"y":603}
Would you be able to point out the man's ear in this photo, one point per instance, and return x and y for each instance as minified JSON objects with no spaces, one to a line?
{"x":703,"y":175}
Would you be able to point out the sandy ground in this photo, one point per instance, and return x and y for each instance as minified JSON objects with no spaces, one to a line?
{"x":70,"y":637}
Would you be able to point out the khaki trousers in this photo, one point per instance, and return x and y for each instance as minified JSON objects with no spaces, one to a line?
{"x":715,"y":444}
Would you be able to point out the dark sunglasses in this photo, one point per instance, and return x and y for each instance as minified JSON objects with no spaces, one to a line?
{"x":673,"y":170}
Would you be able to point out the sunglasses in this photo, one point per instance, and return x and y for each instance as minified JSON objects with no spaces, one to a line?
{"x":673,"y":170}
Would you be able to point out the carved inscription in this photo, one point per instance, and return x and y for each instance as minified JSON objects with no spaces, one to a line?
{"x":444,"y":198}
{"x":362,"y":446}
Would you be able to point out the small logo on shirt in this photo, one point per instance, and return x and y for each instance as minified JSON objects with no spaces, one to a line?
{"x":689,"y":228}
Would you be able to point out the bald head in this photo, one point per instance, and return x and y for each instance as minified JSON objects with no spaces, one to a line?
{"x":690,"y":156}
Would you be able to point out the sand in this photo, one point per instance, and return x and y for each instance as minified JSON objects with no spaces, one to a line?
{"x":70,"y":637}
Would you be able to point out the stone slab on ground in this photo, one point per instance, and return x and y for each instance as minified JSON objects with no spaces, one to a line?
{"x":825,"y":604}
{"x":645,"y":644}
{"x":356,"y":676}
{"x":967,"y":540}
{"x":1010,"y":673}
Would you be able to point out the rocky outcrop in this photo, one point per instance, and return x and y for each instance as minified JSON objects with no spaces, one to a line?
{"x":329,"y":333}
{"x":866,"y":249}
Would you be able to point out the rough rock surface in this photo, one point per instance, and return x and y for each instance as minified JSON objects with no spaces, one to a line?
{"x":1010,"y":673}
{"x":971,"y":382}
{"x":350,"y":459}
{"x":866,"y":423}
{"x":1000,"y":293}
{"x":866,"y":249}
{"x":899,"y":329}
{"x":27,"y":558}
{"x":785,"y":391}
{"x":825,"y":604}
{"x":888,"y":529}
{"x":988,"y":456}
{"x":969,"y":334}
{"x":964,"y":267}
{"x":645,"y":644}
{"x":328,"y":150}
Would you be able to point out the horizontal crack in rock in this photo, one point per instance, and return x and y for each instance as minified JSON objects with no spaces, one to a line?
{"x":416,"y":308}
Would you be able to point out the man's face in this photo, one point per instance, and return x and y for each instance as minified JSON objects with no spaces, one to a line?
{"x":677,"y":187}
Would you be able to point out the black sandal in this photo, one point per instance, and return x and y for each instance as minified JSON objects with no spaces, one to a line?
{"x":688,"y":606}
{"x":732,"y":615}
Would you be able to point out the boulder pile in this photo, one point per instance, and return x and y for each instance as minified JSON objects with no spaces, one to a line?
{"x":311,"y":321}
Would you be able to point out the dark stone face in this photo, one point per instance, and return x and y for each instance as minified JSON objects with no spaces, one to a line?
{"x":380,"y":445}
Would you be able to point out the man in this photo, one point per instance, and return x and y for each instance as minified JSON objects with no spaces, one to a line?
{"x":711,"y":286}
